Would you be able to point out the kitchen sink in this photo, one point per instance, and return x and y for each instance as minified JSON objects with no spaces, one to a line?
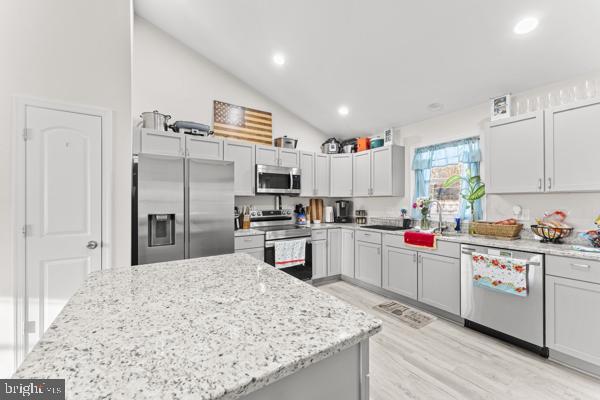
{"x":386,"y":227}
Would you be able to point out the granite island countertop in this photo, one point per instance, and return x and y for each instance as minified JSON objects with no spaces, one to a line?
{"x":207,"y":328}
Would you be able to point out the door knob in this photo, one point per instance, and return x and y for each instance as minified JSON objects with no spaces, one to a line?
{"x":92,"y":244}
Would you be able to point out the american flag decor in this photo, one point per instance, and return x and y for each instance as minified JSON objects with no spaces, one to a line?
{"x":236,"y":122}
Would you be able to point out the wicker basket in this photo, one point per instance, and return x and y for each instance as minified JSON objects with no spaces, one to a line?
{"x":492,"y":229}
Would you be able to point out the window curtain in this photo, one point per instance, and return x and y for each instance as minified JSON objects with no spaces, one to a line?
{"x":465,"y":152}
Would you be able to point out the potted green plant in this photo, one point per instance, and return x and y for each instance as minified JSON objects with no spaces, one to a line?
{"x":475,"y":189}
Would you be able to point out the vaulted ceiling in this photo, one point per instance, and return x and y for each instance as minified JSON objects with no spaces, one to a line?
{"x":386,"y":60}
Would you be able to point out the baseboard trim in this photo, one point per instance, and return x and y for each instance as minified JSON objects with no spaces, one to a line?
{"x":575,"y":363}
{"x":405,"y":300}
{"x":326,"y":280}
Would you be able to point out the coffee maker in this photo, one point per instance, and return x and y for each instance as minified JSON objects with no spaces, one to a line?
{"x":343,"y":211}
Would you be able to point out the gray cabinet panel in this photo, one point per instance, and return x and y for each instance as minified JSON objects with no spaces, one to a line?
{"x":348,"y":252}
{"x":258,"y":253}
{"x":289,"y":158}
{"x":515,"y":155}
{"x":307,"y":166}
{"x":322,"y":186}
{"x":367,"y":262}
{"x":572,"y":318}
{"x":399,"y":272}
{"x":242,"y":155}
{"x":361,"y":165}
{"x":334,"y":251}
{"x":439,"y":282}
{"x":572,"y":143}
{"x":341,"y":175}
{"x":319,"y":258}
{"x":205,"y":148}
{"x":267,"y":155}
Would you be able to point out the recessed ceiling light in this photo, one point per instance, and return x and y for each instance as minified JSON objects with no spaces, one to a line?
{"x":435,"y":107}
{"x":343,"y":111}
{"x":526,"y":25}
{"x":279,"y":59}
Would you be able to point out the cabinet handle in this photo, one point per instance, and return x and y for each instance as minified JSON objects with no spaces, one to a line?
{"x":549,"y":183}
{"x":540,"y":184}
{"x":415,"y":258}
{"x":581,"y":266}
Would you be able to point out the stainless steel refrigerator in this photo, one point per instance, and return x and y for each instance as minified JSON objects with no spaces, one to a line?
{"x":182,"y":208}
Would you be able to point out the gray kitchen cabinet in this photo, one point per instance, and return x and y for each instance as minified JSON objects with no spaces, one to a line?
{"x":321,"y":168}
{"x":202,"y":147}
{"x":387,"y":171}
{"x":242,"y":154}
{"x":399,"y":271}
{"x":379,"y":172}
{"x":361,"y":165}
{"x":341,"y":175}
{"x":288,"y":157}
{"x":267,"y":155}
{"x":572,"y":301}
{"x":334,"y":252}
{"x":367,"y":262}
{"x":319,"y":259}
{"x":348,"y":252}
{"x":439,"y":282}
{"x":514,"y":154}
{"x":162,"y":143}
{"x":258,"y":253}
{"x":307,"y":179}
{"x":572,"y":143}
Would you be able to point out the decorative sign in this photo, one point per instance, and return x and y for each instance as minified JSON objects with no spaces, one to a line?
{"x":237,"y":122}
{"x":33,"y":389}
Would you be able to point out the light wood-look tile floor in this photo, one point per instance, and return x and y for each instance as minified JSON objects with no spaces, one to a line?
{"x":444,"y":360}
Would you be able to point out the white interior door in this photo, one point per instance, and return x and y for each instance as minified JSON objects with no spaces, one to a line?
{"x":63,"y":210}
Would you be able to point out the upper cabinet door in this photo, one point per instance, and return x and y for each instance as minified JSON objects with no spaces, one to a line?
{"x":514,"y":155}
{"x":572,"y":143}
{"x":361,"y":164}
{"x":267,"y":155}
{"x":341,"y":175}
{"x":307,"y":167}
{"x":242,"y":155}
{"x":205,"y":148}
{"x":162,"y":143}
{"x":387,"y":171}
{"x":289,"y":158}
{"x":321,"y":175}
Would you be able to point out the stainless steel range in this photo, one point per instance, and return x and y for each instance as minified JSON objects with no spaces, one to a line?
{"x":279,"y":225}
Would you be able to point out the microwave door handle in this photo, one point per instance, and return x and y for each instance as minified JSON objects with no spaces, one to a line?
{"x":291,"y":181}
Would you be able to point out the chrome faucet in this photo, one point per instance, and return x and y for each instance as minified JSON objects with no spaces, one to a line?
{"x":440,"y":227}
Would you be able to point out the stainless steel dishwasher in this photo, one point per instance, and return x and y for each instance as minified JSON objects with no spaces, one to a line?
{"x":517,"y":319}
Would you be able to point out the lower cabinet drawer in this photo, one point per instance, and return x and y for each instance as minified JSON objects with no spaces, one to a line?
{"x":319,"y":234}
{"x":572,"y":318}
{"x":248,"y":242}
{"x":573,"y":268}
{"x":258,"y":253}
{"x":368,"y":236}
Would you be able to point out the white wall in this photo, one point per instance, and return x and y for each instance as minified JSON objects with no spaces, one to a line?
{"x":174,"y":79}
{"x":73,"y":51}
{"x":582,"y":207}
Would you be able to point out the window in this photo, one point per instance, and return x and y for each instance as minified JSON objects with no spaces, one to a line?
{"x":448,"y":197}
{"x":433,"y":165}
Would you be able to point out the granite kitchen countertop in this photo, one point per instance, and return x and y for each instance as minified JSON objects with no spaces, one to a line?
{"x":248,"y":232}
{"x":207,"y":328}
{"x":528,"y":245}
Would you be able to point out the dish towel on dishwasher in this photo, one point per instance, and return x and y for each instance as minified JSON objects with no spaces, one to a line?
{"x":290,"y":252}
{"x":505,"y":274}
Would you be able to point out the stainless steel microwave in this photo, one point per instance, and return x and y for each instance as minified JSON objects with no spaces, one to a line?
{"x":277,"y":180}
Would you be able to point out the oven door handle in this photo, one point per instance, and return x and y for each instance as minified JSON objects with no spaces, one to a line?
{"x":271,"y":243}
